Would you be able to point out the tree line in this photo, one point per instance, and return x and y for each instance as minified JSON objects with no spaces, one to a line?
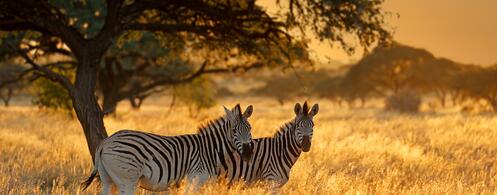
{"x":389,"y":71}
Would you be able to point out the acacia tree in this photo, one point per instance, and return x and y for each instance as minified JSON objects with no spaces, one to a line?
{"x":479,"y":84}
{"x":212,"y":24}
{"x":146,"y":65}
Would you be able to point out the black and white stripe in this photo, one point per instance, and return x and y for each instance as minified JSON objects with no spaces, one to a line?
{"x":273,"y":157}
{"x":131,"y":158}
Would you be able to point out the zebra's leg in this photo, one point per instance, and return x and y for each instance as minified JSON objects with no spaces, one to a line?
{"x":126,"y":189}
{"x":123,"y":175}
{"x":195,"y":182}
{"x":107,"y":184}
{"x":276,"y":185}
{"x":109,"y":189}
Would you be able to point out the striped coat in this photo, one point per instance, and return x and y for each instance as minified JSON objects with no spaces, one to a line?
{"x":128,"y":159}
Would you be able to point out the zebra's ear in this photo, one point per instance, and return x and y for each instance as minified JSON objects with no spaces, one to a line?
{"x":237,"y":111}
{"x":229,"y":114}
{"x":305,"y":108}
{"x":297,"y":109}
{"x":314,"y":110}
{"x":248,"y":111}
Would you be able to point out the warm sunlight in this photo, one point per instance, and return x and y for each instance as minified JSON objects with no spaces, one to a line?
{"x":248,"y":97}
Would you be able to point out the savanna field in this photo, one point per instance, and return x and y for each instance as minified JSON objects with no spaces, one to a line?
{"x":354,"y":151}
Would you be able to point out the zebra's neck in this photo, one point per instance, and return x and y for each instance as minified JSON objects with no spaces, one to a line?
{"x":215,"y":136}
{"x":217,"y":133}
{"x":216,"y":126}
{"x":286,"y":139}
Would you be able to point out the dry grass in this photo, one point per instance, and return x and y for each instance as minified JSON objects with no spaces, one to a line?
{"x":358,"y":151}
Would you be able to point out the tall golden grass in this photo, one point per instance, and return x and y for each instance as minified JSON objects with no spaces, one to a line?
{"x":354,"y":151}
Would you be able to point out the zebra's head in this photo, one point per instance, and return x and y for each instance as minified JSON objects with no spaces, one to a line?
{"x":240,"y":130}
{"x":304,"y":125}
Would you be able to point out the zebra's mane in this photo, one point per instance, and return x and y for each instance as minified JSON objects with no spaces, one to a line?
{"x":212,"y":126}
{"x":284,"y":128}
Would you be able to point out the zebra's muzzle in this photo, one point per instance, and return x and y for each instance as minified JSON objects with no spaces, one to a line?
{"x":306,"y":143}
{"x":246,"y":152}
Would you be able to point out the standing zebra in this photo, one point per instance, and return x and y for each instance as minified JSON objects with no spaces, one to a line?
{"x":131,"y":158}
{"x":273,"y":157}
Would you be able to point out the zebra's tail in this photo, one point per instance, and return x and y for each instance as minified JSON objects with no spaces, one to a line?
{"x":94,"y":172}
{"x":90,"y":179}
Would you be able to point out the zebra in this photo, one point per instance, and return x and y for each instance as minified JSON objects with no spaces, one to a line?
{"x":128,"y":158}
{"x":273,"y":157}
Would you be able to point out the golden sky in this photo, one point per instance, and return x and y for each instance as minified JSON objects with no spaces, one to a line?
{"x":462,"y":30}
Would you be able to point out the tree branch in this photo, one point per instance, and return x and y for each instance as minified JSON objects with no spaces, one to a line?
{"x":16,"y":25}
{"x":112,"y":25}
{"x":49,"y":73}
{"x":201,"y":71}
{"x":35,"y":13}
{"x":235,"y":68}
{"x":17,"y":79}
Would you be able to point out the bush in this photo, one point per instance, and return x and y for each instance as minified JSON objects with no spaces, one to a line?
{"x":405,"y":101}
{"x":197,"y":95}
{"x":52,"y":95}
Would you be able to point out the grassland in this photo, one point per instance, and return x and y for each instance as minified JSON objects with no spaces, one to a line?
{"x":354,"y":151}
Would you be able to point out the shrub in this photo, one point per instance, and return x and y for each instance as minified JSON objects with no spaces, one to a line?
{"x":52,"y":95}
{"x":197,"y":95}
{"x":405,"y":101}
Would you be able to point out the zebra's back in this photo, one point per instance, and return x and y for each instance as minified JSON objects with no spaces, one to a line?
{"x":155,"y":161}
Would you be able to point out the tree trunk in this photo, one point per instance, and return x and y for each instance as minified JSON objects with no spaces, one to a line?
{"x":136,"y":102}
{"x":442,"y":101}
{"x":493,"y":103}
{"x":7,"y":97}
{"x":363,"y":102}
{"x":10,"y":91}
{"x":85,"y":103}
{"x":441,"y":97}
{"x":109,"y":102}
{"x":340,"y":101}
{"x":110,"y":82}
{"x":454,"y":97}
{"x":5,"y":102}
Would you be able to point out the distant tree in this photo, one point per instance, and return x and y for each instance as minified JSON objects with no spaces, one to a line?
{"x":436,"y":76}
{"x":391,"y":77}
{"x":197,"y":95}
{"x":289,"y":85}
{"x":9,"y":86}
{"x":480,"y":84}
{"x":281,"y":87}
{"x":11,"y":72}
{"x":404,"y":101}
{"x":356,"y":86}
{"x":459,"y":84}
{"x":224,"y":92}
{"x":85,"y":30}
{"x":387,"y":70}
{"x":330,"y":87}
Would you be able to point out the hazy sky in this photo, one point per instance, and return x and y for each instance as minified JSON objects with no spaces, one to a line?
{"x":462,"y":30}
